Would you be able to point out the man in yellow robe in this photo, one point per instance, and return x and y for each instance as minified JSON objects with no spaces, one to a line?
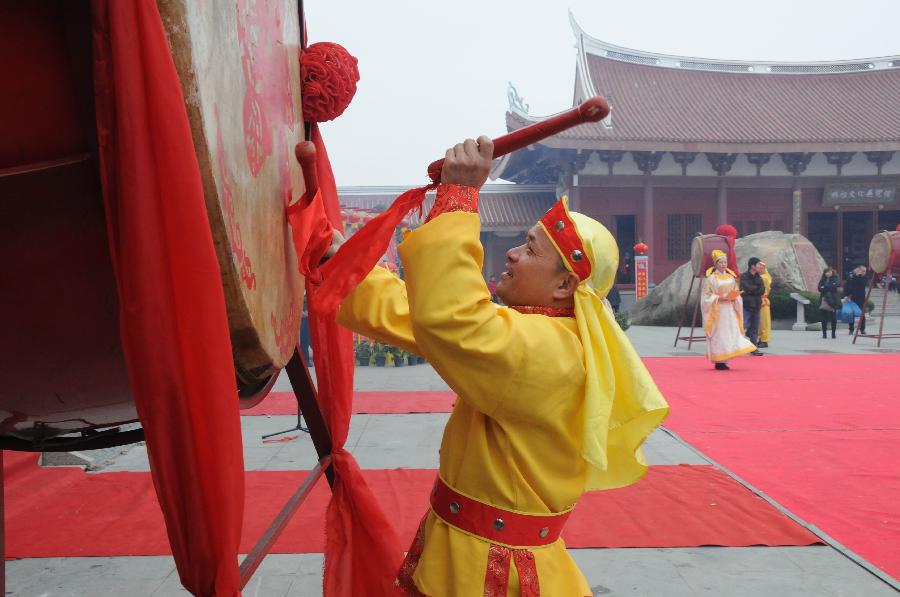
{"x":765,"y":311}
{"x":552,"y":401}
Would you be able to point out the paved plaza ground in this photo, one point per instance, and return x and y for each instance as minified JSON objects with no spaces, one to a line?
{"x":412,"y":440}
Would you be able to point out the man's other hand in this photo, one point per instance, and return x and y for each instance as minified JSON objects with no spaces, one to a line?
{"x":337,"y":240}
{"x":468,"y":163}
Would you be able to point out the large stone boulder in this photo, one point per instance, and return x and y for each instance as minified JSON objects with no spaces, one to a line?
{"x":793,"y":261}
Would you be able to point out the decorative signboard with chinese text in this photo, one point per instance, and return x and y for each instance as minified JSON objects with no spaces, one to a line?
{"x":862,"y":193}
{"x":641,"y":276}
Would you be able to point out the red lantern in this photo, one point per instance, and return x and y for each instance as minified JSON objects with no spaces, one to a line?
{"x":641,"y":249}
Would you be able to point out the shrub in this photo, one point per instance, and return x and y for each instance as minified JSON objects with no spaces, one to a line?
{"x":784,"y":307}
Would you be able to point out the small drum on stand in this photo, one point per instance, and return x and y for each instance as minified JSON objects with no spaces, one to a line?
{"x":884,"y":259}
{"x":884,"y":252}
{"x":63,"y":368}
{"x":701,"y":251}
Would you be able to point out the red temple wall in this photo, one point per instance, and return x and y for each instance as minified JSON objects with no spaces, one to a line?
{"x":750,"y":210}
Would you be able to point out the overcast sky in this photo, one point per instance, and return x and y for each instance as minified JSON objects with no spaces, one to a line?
{"x":433,"y":73}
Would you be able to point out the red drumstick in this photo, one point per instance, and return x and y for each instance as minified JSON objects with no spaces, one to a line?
{"x":306,"y":155}
{"x":593,"y":110}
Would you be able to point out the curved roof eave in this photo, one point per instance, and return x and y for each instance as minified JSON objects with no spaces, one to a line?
{"x":588,"y":44}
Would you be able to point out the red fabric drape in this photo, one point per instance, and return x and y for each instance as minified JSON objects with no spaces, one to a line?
{"x":363,"y":552}
{"x":173,"y":321}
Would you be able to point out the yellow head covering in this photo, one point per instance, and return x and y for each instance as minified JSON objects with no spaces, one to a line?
{"x":717,"y":254}
{"x":622,"y":404}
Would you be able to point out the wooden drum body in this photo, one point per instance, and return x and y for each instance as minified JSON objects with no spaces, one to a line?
{"x":63,"y":371}
{"x":884,"y":252}
{"x":701,"y":251}
{"x":239,"y":66}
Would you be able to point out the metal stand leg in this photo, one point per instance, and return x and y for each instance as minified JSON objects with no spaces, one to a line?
{"x":687,"y":299}
{"x":299,"y":426}
{"x":690,"y":337}
{"x":866,"y":302}
{"x":305,"y":391}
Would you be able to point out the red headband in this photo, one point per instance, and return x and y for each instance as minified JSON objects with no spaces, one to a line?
{"x":560,"y":228}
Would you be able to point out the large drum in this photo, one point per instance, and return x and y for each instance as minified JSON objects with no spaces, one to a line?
{"x":701,"y":251}
{"x":884,"y":252}
{"x":62,"y":364}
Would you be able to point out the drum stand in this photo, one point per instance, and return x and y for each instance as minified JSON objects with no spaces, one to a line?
{"x":305,"y":391}
{"x":691,"y":338}
{"x":877,"y":337}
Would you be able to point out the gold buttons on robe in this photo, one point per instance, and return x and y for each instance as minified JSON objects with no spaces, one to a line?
{"x":577,"y":255}
{"x":544,"y":532}
{"x":454,"y":508}
{"x":499,"y":524}
{"x":559,"y":225}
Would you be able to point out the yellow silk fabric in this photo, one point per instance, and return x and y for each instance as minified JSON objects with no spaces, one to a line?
{"x":765,"y":312}
{"x":622,"y":404}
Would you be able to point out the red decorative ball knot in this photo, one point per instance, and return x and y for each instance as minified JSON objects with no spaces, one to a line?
{"x":726,"y":230}
{"x":329,"y":75}
{"x":641,"y":249}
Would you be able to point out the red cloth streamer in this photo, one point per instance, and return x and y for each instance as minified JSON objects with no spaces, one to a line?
{"x":361,"y":252}
{"x":362,"y":551}
{"x":173,"y":320}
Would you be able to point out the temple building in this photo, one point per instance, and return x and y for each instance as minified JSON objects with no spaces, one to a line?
{"x":690,"y":143}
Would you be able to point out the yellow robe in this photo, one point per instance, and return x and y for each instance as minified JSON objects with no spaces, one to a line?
{"x":723,"y":319}
{"x":765,"y":313}
{"x":515,"y":435}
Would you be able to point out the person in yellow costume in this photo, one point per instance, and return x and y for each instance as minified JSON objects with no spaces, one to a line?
{"x":553,"y":400}
{"x":765,"y":311}
{"x":723,"y":317}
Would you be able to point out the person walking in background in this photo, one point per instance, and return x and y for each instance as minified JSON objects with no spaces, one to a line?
{"x":831,"y":300}
{"x":614,"y":298}
{"x":752,"y":289}
{"x":765,"y":311}
{"x":722,"y":314}
{"x":855,"y":290}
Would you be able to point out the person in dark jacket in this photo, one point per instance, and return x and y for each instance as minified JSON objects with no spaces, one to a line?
{"x":614,"y":298}
{"x":753,"y":289}
{"x":829,"y":289}
{"x":855,"y":290}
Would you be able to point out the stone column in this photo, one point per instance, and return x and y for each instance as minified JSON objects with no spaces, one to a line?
{"x":722,"y":201}
{"x":721,"y":163}
{"x":796,"y":163}
{"x":647,"y":162}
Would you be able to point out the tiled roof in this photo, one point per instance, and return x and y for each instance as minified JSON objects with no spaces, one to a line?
{"x":696,"y":105}
{"x":501,"y":206}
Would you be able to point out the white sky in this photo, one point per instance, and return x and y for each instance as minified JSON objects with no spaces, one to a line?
{"x":433,"y":73}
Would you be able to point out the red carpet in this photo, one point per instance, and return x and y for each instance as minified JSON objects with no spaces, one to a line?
{"x":375,"y":403}
{"x":818,"y":434}
{"x":66,"y":512}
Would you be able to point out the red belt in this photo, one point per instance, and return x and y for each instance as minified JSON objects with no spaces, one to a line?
{"x":493,"y":524}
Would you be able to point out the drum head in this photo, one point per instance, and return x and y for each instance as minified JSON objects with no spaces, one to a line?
{"x":238,"y":61}
{"x":884,"y":252}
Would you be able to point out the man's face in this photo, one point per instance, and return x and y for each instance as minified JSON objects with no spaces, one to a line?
{"x":761,"y":268}
{"x":861,"y":270}
{"x":532,"y":273}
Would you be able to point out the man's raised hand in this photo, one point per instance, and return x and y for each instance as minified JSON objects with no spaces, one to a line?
{"x":468,"y":163}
